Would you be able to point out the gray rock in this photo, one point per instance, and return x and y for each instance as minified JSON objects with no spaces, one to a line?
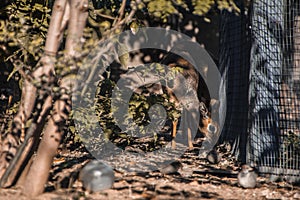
{"x":97,"y":176}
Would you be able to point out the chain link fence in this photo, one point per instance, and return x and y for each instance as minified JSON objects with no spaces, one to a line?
{"x":259,"y":62}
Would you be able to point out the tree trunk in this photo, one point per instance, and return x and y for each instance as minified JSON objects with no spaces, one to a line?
{"x":29,"y":94}
{"x":39,"y":170}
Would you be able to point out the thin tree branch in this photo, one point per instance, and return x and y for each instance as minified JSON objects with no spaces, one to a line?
{"x":121,"y":22}
{"x":104,"y":15}
{"x":122,"y":10}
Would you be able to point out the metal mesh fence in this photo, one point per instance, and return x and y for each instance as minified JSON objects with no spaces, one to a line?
{"x":259,"y":59}
{"x":234,"y":68}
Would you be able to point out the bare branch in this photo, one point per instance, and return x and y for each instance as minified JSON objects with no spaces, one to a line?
{"x":121,"y":22}
{"x":55,"y":31}
{"x":122,"y":10}
{"x":104,"y":16}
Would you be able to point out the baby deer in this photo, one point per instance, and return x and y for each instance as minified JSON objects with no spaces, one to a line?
{"x":197,"y":83}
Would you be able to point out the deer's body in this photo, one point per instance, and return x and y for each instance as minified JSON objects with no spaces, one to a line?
{"x":197,"y":83}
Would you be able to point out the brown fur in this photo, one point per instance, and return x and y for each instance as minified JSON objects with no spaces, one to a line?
{"x":198,"y":84}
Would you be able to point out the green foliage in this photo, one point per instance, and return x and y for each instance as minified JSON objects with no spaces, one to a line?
{"x":228,"y":5}
{"x":13,"y":109}
{"x":161,"y":9}
{"x":202,"y":7}
{"x":140,"y":104}
{"x":103,"y":14}
{"x":24,"y":32}
{"x":103,"y":108}
{"x":138,"y":109}
{"x":24,"y":29}
{"x":292,"y":140}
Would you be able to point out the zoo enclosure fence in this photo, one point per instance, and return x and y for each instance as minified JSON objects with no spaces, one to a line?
{"x":260,"y":65}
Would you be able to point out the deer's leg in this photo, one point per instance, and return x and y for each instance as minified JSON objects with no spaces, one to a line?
{"x":174,"y":132}
{"x":190,"y":142}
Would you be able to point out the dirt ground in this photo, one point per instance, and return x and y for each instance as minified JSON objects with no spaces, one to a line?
{"x":197,"y":179}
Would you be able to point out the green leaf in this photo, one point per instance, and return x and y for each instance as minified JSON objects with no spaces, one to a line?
{"x":72,"y":129}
